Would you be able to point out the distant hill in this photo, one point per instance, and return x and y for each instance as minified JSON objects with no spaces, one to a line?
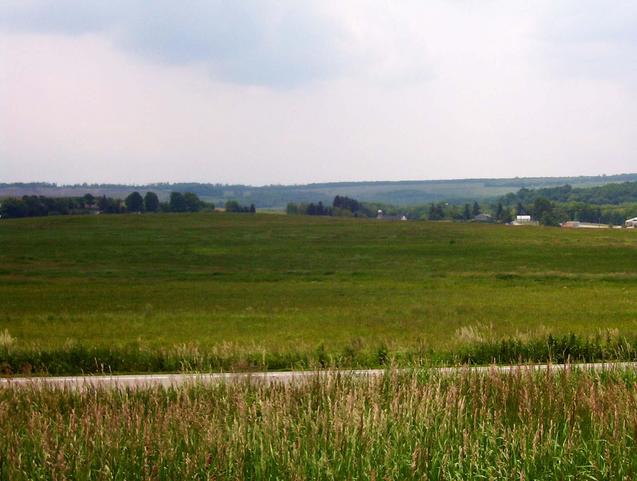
{"x":408,"y":192}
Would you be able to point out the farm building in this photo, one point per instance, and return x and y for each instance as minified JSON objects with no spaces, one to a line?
{"x":524,"y":220}
{"x":382,"y":216}
{"x":631,"y":223}
{"x":574,"y":224}
{"x":483,"y":218}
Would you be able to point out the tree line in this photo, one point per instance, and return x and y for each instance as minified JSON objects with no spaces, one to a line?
{"x":606,"y":204}
{"x":608,"y":194}
{"x":342,"y":206}
{"x":38,"y":205}
{"x":234,"y":206}
{"x":541,"y":209}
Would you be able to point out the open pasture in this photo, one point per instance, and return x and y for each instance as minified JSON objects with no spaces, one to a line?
{"x":269,"y":283}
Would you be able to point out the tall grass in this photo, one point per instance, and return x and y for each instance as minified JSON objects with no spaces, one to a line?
{"x":418,"y":425}
{"x":80,"y":359}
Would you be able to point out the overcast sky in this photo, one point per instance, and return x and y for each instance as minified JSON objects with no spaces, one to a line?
{"x":287,"y":91}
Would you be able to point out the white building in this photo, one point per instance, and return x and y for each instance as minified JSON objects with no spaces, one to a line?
{"x":631,"y":223}
{"x":575,"y":224}
{"x":524,"y":220}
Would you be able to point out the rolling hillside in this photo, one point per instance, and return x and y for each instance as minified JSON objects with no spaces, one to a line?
{"x":277,"y":196}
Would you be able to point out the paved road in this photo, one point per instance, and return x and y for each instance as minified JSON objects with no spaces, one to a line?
{"x":167,"y":380}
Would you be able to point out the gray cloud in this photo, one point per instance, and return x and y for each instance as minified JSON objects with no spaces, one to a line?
{"x":355,"y":89}
{"x":264,"y":42}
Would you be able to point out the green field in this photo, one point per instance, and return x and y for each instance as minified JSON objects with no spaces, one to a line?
{"x":265,"y":284}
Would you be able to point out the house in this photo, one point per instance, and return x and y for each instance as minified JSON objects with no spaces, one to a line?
{"x":631,"y":223}
{"x":524,"y":220}
{"x":575,"y":224}
{"x":570,"y":224}
{"x":382,"y":216}
{"x":483,"y":218}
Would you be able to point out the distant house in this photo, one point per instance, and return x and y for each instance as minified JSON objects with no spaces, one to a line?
{"x":631,"y":223}
{"x":571,"y":224}
{"x":483,"y":218}
{"x":574,"y":224}
{"x":524,"y":220}
{"x":382,"y":216}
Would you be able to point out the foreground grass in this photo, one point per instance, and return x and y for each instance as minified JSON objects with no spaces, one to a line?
{"x":520,"y":425}
{"x":287,"y":288}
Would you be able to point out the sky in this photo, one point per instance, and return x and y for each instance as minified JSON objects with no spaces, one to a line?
{"x":283,"y":91}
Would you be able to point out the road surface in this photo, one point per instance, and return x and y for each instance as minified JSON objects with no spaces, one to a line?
{"x":171,"y":380}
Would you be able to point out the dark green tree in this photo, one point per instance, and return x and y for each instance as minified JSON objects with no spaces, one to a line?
{"x":151,"y":202}
{"x":193,"y":203}
{"x":499,"y":211}
{"x":11,"y":208}
{"x":544,"y":211}
{"x":292,"y":208}
{"x":541,"y":206}
{"x":89,"y":200}
{"x":134,"y":202}
{"x":476,"y":209}
{"x":436,"y":212}
{"x":466,"y":214}
{"x":177,"y":202}
{"x":346,"y":203}
{"x":232,"y":206}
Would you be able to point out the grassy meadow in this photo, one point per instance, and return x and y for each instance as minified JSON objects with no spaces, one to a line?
{"x":419,"y":425}
{"x":274,"y":291}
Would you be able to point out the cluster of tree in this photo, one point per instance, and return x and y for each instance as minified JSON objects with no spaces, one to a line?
{"x":543,"y":210}
{"x":446,"y":211}
{"x":234,"y":206}
{"x":186,"y":202}
{"x":548,"y":212}
{"x":37,"y":206}
{"x":308,"y":209}
{"x":342,"y":206}
{"x":347,"y":207}
{"x":605,"y":204}
{"x":134,"y":202}
{"x":608,"y":194}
